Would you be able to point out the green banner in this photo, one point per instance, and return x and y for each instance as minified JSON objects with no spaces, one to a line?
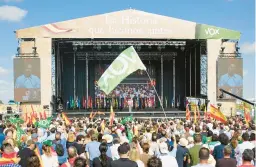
{"x":125,"y":64}
{"x":204,"y":31}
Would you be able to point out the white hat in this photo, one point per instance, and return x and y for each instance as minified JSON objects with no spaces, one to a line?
{"x":190,"y":139}
{"x":183,"y":142}
{"x":108,"y":138}
{"x":163,"y":148}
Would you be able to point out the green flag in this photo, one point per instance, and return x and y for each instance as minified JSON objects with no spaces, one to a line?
{"x":16,"y":121}
{"x":125,"y":64}
{"x":20,"y":132}
{"x":44,"y":123}
{"x":126,"y":119}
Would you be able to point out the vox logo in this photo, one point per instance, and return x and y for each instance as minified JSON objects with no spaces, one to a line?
{"x":212,"y":31}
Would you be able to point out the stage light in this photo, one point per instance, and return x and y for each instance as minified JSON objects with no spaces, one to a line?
{"x":75,"y":48}
{"x":109,"y":46}
{"x":176,"y":47}
{"x":98,"y":47}
{"x":149,"y":46}
{"x":159,"y":47}
{"x":182,"y":48}
{"x":222,"y":49}
{"x":138,"y":47}
{"x":18,"y":50}
{"x":81,"y":47}
{"x":237,"y":49}
{"x":34,"y":50}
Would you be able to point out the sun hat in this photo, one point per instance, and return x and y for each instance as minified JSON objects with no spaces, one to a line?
{"x":108,"y":138}
{"x":183,"y":142}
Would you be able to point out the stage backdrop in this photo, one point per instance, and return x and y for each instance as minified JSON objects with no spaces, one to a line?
{"x":230,"y":76}
{"x":27,"y":82}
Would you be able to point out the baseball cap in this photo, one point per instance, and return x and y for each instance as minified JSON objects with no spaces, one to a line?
{"x":123,"y":148}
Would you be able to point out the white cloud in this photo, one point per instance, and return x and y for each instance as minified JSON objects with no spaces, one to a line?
{"x":12,"y":13}
{"x":6,"y":91}
{"x":248,"y":48}
{"x":6,"y":1}
{"x":3,"y":71}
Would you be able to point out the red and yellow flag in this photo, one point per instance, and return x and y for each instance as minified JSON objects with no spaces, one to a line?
{"x":187,"y":113}
{"x":247,"y":115}
{"x":217,"y":114}
{"x":195,"y":114}
{"x":66,"y":119}
{"x":111,"y":116}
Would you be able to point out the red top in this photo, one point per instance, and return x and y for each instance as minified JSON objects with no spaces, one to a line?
{"x":246,"y":166}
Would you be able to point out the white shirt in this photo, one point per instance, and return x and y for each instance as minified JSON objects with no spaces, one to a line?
{"x":240,"y":149}
{"x":114,"y":151}
{"x":50,"y":161}
{"x":203,"y":165}
{"x":168,"y":161}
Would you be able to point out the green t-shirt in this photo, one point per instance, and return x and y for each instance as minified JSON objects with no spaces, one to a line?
{"x":194,"y":154}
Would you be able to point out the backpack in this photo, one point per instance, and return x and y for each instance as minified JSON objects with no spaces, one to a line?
{"x":59,"y":150}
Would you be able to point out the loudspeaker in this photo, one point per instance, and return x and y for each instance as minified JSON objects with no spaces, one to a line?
{"x":9,"y":110}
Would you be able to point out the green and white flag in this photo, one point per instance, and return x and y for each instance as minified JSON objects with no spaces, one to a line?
{"x":125,"y":64}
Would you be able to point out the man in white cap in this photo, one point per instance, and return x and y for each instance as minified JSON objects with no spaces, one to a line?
{"x":182,"y":152}
{"x":167,"y":160}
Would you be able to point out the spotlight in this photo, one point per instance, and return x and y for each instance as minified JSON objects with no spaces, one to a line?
{"x":75,"y":48}
{"x":149,"y":46}
{"x":81,"y":47}
{"x":109,"y":46}
{"x":98,"y":47}
{"x":182,"y":48}
{"x":222,"y":49}
{"x":138,"y":47}
{"x":176,"y":47}
{"x":237,"y":49}
{"x":159,"y":47}
{"x":219,"y":105}
{"x":34,"y":50}
{"x":18,"y":50}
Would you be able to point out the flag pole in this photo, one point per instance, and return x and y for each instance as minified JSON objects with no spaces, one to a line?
{"x":157,"y":95}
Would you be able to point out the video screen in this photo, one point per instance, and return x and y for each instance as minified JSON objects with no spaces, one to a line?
{"x":230,"y":77}
{"x":135,"y":85}
{"x":27,"y":82}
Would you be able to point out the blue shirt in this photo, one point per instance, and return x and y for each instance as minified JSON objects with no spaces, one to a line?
{"x":2,"y":137}
{"x":93,"y":149}
{"x":27,"y":82}
{"x":180,"y":154}
{"x":218,"y":152}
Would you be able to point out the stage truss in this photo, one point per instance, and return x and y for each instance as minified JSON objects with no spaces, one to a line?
{"x":203,"y":68}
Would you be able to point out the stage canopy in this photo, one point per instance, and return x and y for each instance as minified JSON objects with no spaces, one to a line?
{"x":128,"y":24}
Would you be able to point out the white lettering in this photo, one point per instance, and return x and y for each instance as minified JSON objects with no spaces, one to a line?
{"x":137,"y":20}
{"x":106,"y":76}
{"x":212,"y":31}
{"x":121,"y":70}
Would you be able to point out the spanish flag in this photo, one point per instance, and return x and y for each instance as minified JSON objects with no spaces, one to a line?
{"x":65,"y":118}
{"x":247,"y":115}
{"x":111,"y":116}
{"x":187,"y":113}
{"x":195,"y":113}
{"x":216,"y":114}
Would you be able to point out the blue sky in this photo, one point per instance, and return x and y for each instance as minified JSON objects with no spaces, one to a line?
{"x":233,"y":14}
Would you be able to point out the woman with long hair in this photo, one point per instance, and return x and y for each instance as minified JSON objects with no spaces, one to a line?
{"x":103,"y":160}
{"x":49,"y":158}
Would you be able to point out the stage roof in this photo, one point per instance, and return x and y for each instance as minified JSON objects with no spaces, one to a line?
{"x":128,"y":24}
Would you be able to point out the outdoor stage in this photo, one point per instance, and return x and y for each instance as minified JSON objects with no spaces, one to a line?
{"x":67,"y":59}
{"x":175,"y":67}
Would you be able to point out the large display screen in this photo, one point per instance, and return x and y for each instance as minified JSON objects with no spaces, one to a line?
{"x":27,"y":82}
{"x":135,"y":85}
{"x":230,"y":77}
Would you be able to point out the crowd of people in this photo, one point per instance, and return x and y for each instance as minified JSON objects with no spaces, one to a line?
{"x":136,"y":143}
